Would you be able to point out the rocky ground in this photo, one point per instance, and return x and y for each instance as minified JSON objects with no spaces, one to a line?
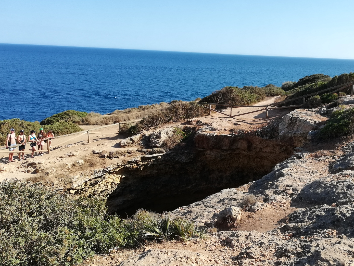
{"x":301,"y":213}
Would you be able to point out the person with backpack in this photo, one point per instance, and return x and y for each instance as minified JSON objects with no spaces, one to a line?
{"x":11,"y":143}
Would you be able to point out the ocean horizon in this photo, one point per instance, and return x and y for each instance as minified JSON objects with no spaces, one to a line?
{"x":39,"y":81}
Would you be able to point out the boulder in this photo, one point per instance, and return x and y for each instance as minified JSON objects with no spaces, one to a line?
{"x":228,"y":217}
{"x":299,"y":123}
{"x":157,"y":138}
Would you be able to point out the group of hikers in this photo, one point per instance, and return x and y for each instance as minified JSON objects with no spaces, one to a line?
{"x":36,"y":142}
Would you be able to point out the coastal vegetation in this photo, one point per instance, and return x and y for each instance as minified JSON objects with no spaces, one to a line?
{"x":242,"y":96}
{"x":176,"y":111}
{"x":314,"y":84}
{"x":123,"y":115}
{"x":340,"y":123}
{"x":41,"y":227}
{"x":69,"y":116}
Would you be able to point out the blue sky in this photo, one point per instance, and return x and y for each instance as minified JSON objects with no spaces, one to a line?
{"x":301,"y":28}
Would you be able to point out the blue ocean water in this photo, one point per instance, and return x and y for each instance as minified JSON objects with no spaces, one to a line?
{"x":39,"y":81}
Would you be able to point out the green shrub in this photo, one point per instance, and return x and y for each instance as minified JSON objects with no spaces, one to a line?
{"x":70,"y":116}
{"x":341,"y":123}
{"x":342,"y":94}
{"x":343,"y":78}
{"x":329,"y":97}
{"x":272,"y":90}
{"x":177,"y":137}
{"x":41,"y":227}
{"x":288,"y":85}
{"x":315,"y":84}
{"x":62,"y":128}
{"x":315,"y":78}
{"x":313,"y":102}
{"x":245,"y":96}
{"x":176,"y":112}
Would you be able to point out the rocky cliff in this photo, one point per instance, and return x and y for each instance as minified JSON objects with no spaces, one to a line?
{"x":192,"y":171}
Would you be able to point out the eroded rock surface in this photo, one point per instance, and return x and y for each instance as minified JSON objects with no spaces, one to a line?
{"x":316,"y":230}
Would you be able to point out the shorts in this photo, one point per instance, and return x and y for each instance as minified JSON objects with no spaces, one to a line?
{"x":41,"y":143}
{"x":33,"y":144}
{"x":22,"y":147}
{"x":13,"y":147}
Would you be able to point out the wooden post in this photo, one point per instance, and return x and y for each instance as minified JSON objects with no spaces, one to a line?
{"x":88,"y":136}
{"x":118,"y":126}
{"x":209,"y":109}
{"x":303,"y":100}
{"x":352,"y":91}
{"x":48,"y":147}
{"x":231,"y":111}
{"x":267,"y":108}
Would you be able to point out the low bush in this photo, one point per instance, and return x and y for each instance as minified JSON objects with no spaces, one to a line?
{"x":245,"y":96}
{"x":178,"y":136}
{"x":123,"y":115}
{"x":248,"y":201}
{"x":272,"y":90}
{"x":315,"y":84}
{"x":315,"y":78}
{"x":41,"y":227}
{"x":329,"y":97}
{"x":342,"y":94}
{"x":341,"y":123}
{"x":177,"y":111}
{"x":313,"y":102}
{"x":288,"y":85}
{"x":69,"y":116}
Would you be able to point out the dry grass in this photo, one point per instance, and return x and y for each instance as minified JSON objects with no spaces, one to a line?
{"x":123,"y":115}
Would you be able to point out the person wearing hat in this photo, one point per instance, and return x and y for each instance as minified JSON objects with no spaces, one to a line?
{"x":41,"y":137}
{"x":21,"y":139}
{"x":11,"y":143}
{"x":33,"y":140}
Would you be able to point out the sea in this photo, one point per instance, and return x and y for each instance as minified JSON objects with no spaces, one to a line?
{"x":39,"y":81}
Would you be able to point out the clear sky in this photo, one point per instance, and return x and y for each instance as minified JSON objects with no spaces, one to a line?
{"x":300,"y":28}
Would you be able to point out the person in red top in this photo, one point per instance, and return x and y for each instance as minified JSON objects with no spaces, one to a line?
{"x":50,"y":136}
{"x":11,"y":143}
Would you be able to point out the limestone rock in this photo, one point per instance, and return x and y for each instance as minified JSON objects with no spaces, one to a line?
{"x":346,"y":163}
{"x":228,"y":216}
{"x":157,"y":138}
{"x":168,"y":257}
{"x":299,"y":123}
{"x":79,"y":162}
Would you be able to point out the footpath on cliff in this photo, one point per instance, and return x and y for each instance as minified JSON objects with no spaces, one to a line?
{"x":301,"y":213}
{"x":72,"y":155}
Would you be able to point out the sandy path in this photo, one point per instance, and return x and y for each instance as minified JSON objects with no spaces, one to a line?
{"x":75,"y":147}
{"x":243,"y":118}
{"x":67,"y":150}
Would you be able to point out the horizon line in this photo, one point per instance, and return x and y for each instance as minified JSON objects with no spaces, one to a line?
{"x":148,"y":50}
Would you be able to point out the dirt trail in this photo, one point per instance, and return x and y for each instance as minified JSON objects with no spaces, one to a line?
{"x":75,"y":148}
{"x":70,"y":151}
